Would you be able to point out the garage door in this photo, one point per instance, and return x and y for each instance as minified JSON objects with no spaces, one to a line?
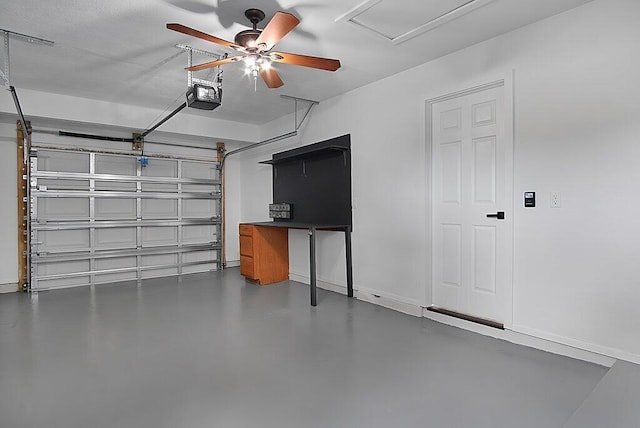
{"x":98,"y":218}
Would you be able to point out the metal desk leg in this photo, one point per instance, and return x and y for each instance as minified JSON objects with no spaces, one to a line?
{"x":347,"y":239}
{"x":312,"y":264}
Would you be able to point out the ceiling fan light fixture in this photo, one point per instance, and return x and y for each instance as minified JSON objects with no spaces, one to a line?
{"x":250,"y":61}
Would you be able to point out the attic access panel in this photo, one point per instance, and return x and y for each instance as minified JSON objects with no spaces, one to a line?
{"x":316,"y":180}
{"x":401,"y":20}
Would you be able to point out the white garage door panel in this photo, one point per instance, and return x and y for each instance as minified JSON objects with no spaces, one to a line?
{"x":115,"y":165}
{"x":115,"y":209}
{"x":159,"y":187}
{"x":52,"y":284}
{"x":110,"y":185}
{"x":197,"y":208}
{"x":159,"y":236}
{"x":198,"y":234}
{"x":198,"y":170}
{"x":159,"y":260}
{"x":54,"y":184}
{"x":115,"y":263}
{"x":198,"y":256}
{"x":65,"y":240}
{"x":63,"y":267}
{"x":159,"y":208}
{"x":125,"y":221}
{"x":116,"y":238}
{"x":119,"y":165}
{"x":47,"y":269}
{"x":63,"y":208}
{"x":196,"y":188}
{"x":63,"y":161}
{"x":161,"y":168}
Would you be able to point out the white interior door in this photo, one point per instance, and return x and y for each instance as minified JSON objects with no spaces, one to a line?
{"x":471,"y":160}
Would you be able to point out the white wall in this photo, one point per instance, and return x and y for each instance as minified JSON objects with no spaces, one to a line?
{"x":8,"y":208}
{"x":576,"y":269}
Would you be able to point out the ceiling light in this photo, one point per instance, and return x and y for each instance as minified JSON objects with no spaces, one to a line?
{"x":250,"y":61}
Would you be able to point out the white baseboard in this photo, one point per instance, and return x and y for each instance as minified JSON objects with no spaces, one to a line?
{"x":519,"y":335}
{"x":389,"y":301}
{"x":524,"y":339}
{"x":336,"y":288}
{"x":8,"y":288}
{"x":233,"y":263}
{"x":366,"y":295}
{"x":590,"y":347}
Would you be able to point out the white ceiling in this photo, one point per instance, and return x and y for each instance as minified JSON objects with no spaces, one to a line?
{"x":120,"y":50}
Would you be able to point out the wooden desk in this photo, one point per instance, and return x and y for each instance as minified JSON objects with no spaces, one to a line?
{"x":264,"y":253}
{"x":267,"y":237}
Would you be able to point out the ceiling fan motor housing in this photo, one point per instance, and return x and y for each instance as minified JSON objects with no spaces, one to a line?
{"x":247,"y":38}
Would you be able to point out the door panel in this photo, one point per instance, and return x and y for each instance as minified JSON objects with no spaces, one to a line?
{"x":484,"y":259}
{"x":451,"y":255}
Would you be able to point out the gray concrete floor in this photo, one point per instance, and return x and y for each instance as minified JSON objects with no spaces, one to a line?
{"x":212,"y":350}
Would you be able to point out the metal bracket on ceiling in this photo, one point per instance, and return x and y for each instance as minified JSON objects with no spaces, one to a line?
{"x":5,"y":73}
{"x":193,"y":80}
{"x":282,"y":136}
{"x":295,"y":109}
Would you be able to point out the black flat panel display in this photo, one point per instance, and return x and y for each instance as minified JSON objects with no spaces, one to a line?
{"x":316,"y":181}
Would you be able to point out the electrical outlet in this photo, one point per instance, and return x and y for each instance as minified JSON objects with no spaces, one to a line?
{"x":556,"y":201}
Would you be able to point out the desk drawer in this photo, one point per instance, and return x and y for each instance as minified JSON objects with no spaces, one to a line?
{"x":247,"y":267}
{"x":246,"y":229}
{"x":246,"y":246}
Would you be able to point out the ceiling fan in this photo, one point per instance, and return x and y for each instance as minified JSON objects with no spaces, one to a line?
{"x":254,"y":47}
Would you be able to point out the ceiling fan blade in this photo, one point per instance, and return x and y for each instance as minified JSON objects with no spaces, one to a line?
{"x":306,"y":61}
{"x":279,"y":26}
{"x":199,"y":34}
{"x":215,"y":63}
{"x":271,"y":78}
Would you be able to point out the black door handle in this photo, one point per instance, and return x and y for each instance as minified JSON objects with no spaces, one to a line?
{"x":499,"y":215}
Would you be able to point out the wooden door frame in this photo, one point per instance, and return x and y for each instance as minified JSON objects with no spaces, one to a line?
{"x":506,"y":81}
